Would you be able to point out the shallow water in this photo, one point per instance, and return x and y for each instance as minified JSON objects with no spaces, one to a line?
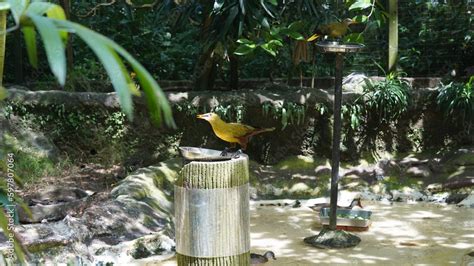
{"x":402,"y":233}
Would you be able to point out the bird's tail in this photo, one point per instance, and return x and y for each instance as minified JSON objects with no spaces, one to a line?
{"x":313,"y":37}
{"x":261,"y":130}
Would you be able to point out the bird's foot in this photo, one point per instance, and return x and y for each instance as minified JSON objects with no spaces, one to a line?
{"x":237,"y":153}
{"x":226,"y":152}
{"x":233,"y":152}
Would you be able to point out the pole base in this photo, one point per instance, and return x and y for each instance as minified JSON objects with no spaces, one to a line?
{"x":333,"y":239}
{"x":242,"y":259}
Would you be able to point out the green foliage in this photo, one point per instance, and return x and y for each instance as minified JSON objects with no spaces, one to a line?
{"x":383,"y":102}
{"x":54,"y":28}
{"x":288,"y":113}
{"x":272,"y":39}
{"x":435,"y":37}
{"x":387,"y":100}
{"x":31,"y":167}
{"x":456,"y":100}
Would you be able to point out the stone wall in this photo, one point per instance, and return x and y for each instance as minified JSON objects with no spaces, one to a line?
{"x":141,"y":143}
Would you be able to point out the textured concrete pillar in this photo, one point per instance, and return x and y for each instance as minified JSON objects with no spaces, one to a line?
{"x":212,"y":213}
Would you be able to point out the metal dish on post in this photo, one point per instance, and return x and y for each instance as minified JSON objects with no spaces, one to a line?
{"x":202,"y":154}
{"x":338,"y":47}
{"x":354,"y":218}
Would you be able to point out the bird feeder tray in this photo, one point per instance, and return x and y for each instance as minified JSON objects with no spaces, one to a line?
{"x":338,"y":47}
{"x":347,"y":218}
{"x":201,"y":154}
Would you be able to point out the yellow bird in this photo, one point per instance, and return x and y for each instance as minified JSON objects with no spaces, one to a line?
{"x":334,"y":30}
{"x":232,"y":132}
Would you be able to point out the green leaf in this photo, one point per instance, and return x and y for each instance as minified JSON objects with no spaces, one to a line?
{"x":296,"y":26}
{"x":269,"y":49}
{"x":244,"y":49}
{"x":242,"y":6}
{"x":361,"y":4}
{"x":3,"y":93}
{"x":53,"y":45}
{"x":51,"y":10}
{"x":360,"y":18}
{"x":245,"y":41}
{"x":218,"y":5}
{"x":262,"y":3}
{"x":29,"y":35}
{"x":18,"y":8}
{"x":264,"y":23}
{"x":112,"y":64}
{"x":273,"y":2}
{"x":354,"y":37}
{"x":4,"y":6}
{"x":275,"y":43}
{"x":296,"y":35}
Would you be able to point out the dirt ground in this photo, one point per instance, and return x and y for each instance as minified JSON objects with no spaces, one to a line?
{"x":401,"y":234}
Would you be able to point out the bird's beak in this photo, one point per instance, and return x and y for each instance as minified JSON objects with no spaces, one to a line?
{"x":200,"y":116}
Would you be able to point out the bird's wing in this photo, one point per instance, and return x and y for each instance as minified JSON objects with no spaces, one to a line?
{"x":239,"y":130}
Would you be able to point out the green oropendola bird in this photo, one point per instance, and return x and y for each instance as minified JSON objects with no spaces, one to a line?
{"x":334,"y":30}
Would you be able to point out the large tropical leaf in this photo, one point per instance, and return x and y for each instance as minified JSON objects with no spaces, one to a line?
{"x":29,"y":35}
{"x":53,"y":45}
{"x":18,"y":8}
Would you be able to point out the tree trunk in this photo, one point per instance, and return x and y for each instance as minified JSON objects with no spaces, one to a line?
{"x":205,"y":71}
{"x":392,"y":35}
{"x":19,"y":78}
{"x":66,"y":5}
{"x":3,"y":37}
{"x":234,"y":72}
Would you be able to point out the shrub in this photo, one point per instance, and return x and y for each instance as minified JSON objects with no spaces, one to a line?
{"x":456,"y":101}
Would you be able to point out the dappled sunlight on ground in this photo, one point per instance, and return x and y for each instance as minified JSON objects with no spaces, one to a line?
{"x":418,"y":233}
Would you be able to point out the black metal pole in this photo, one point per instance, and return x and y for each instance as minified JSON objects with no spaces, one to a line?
{"x":336,"y":139}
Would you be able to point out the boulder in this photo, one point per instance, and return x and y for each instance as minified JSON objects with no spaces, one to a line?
{"x":140,"y":205}
{"x":418,"y":171}
{"x":467,"y":202}
{"x":17,"y":135}
{"x":53,"y":204}
{"x":333,"y":239}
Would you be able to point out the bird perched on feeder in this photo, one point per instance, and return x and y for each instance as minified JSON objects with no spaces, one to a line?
{"x":257,"y":259}
{"x":334,"y":30}
{"x":232,"y":132}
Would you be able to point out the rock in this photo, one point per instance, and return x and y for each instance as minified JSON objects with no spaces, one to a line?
{"x":367,"y":195}
{"x":460,"y":182}
{"x":463,"y":157}
{"x":412,"y":161}
{"x":333,"y":239}
{"x":52,"y":205}
{"x":455,"y":198}
{"x":322,"y":170}
{"x":439,"y":197}
{"x":19,"y":136}
{"x":419,"y":171}
{"x":467,"y":202}
{"x":139,"y":206}
{"x":387,"y":165}
{"x":433,"y":188}
{"x":354,"y":82}
{"x":468,"y":258}
{"x":300,"y":188}
{"x":38,"y":237}
{"x":407,"y":194}
{"x":367,"y":173}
